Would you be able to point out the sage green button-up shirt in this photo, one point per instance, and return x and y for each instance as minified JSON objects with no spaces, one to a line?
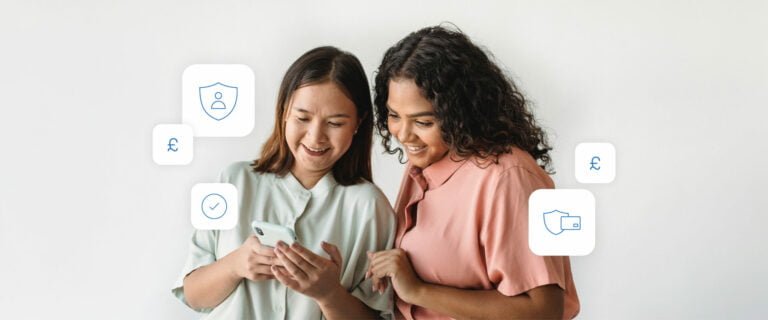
{"x":356,"y":218}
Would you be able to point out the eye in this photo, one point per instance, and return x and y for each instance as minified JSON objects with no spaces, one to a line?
{"x":335,"y":124}
{"x":424,"y":124}
{"x":302,"y":119}
{"x":393,"y":116}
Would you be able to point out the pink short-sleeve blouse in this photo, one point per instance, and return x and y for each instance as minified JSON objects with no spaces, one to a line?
{"x":465,"y":225}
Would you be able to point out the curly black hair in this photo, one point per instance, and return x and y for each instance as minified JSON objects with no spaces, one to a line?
{"x":480,"y":110}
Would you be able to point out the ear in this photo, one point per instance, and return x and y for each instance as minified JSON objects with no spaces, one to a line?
{"x":359,"y":122}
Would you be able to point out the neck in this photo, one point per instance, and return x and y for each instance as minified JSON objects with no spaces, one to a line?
{"x":307,"y":179}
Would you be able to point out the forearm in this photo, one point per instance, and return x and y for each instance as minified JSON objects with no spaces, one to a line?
{"x":209,"y":285}
{"x":485,"y":304}
{"x":342,"y":305}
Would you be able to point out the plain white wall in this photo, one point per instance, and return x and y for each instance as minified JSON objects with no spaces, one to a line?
{"x":91,"y":228}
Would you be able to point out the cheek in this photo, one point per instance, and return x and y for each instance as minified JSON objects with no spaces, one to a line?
{"x":292,"y":134}
{"x":434,"y":139}
{"x":343,"y":138}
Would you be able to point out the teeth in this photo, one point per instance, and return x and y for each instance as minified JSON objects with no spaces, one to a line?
{"x":317,"y":150}
{"x":415,"y":149}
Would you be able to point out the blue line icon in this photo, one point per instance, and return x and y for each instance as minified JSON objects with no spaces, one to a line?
{"x":214,"y":206}
{"x":172,"y":144}
{"x":557,"y":221}
{"x":594,"y":164}
{"x":218,"y":100}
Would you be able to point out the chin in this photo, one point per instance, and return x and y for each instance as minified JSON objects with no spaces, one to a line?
{"x":313,"y":167}
{"x":418,"y":163}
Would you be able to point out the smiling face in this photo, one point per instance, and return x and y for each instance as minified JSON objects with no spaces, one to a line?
{"x":320,"y":124}
{"x":412,"y":121}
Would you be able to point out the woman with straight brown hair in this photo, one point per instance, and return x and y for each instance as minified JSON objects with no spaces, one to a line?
{"x":313,"y":176}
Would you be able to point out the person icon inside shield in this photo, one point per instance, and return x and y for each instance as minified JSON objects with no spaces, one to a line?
{"x":218,"y":104}
{"x":218,"y":100}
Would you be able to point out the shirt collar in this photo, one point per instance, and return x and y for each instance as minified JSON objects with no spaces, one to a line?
{"x":438,"y":173}
{"x":321,"y":187}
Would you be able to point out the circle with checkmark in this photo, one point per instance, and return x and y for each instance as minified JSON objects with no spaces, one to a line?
{"x":214,"y":206}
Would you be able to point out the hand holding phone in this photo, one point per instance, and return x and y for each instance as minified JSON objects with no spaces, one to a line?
{"x":252,"y":260}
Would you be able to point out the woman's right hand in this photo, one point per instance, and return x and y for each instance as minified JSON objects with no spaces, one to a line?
{"x":252,"y":260}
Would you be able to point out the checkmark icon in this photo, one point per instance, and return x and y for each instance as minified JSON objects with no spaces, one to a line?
{"x":214,"y":206}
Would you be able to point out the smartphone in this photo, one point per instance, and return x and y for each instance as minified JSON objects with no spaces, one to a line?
{"x":269,"y":233}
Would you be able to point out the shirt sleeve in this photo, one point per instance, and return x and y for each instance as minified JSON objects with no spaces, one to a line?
{"x":511,"y":266}
{"x":201,"y":253}
{"x":202,"y":248}
{"x":377,"y":235}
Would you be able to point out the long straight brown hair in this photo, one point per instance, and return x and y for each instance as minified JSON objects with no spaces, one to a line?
{"x":314,"y":67}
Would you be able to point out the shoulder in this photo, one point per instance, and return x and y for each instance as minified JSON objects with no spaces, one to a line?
{"x":365,"y":190}
{"x":365,"y":197}
{"x":516,"y":166}
{"x":239,"y":171}
{"x":236,"y":168}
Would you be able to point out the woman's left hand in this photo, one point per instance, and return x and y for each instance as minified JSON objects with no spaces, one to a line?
{"x":395,"y":265}
{"x":308,"y":273}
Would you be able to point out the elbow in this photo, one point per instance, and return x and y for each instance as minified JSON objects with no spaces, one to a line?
{"x":192,"y":300}
{"x":550,"y":312}
{"x":547,"y":302}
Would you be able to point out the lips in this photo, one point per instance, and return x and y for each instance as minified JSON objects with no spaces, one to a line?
{"x":315,"y":151}
{"x":415,"y":149}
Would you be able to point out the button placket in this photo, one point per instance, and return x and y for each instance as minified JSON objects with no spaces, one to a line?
{"x":280,"y":306}
{"x":302,"y":204}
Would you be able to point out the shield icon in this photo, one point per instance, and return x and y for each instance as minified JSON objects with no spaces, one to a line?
{"x":552,"y":221}
{"x":218,"y":100}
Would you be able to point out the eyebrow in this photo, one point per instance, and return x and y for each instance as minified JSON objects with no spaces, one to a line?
{"x":338,"y":115}
{"x":415,"y":115}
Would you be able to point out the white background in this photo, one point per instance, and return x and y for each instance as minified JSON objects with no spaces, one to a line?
{"x":91,"y":228}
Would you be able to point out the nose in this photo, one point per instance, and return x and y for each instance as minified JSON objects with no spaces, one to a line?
{"x":316,"y":132}
{"x":404,"y":133}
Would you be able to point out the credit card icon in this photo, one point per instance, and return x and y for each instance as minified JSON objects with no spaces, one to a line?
{"x":561,"y":222}
{"x":570,"y":223}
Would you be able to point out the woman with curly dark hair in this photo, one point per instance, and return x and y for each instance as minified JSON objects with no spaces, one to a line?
{"x":475,"y":155}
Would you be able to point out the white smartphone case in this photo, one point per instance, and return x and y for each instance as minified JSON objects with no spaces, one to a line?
{"x":269,"y":233}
